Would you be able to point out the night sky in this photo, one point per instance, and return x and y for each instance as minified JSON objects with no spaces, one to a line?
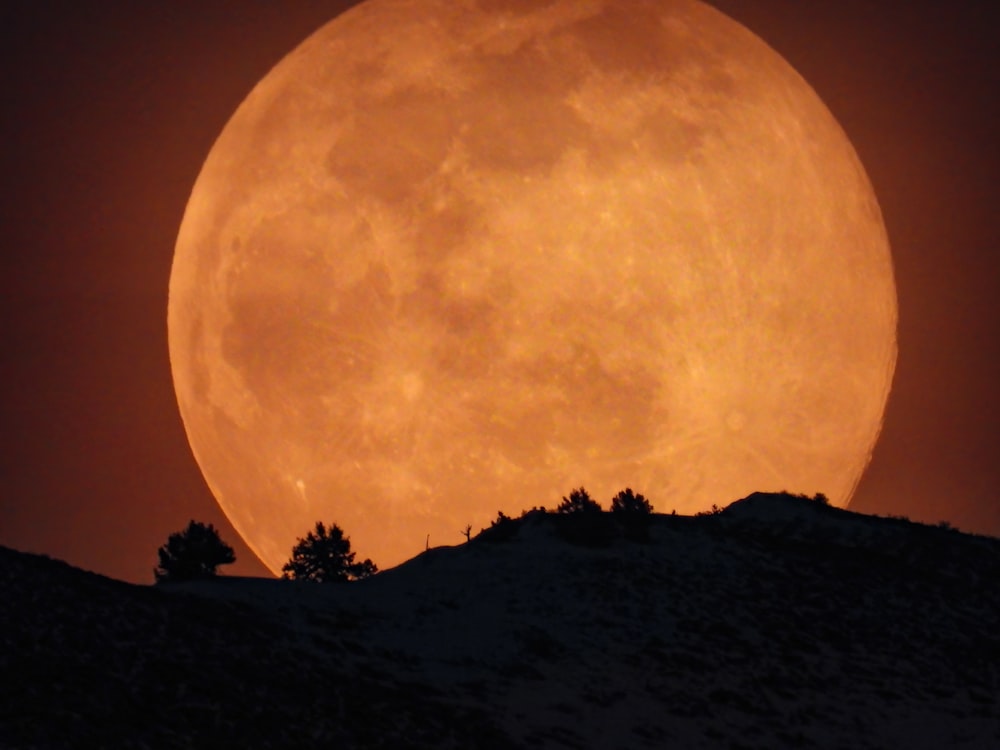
{"x":110,"y":108}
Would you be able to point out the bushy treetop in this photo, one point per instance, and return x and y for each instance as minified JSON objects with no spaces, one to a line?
{"x":325,"y":556}
{"x":192,"y":554}
{"x":627,"y":502}
{"x":579,"y":501}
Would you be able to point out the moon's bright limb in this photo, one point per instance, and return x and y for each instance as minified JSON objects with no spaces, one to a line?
{"x":456,"y":256}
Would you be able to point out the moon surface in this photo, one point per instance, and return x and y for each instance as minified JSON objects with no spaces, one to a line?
{"x":451,"y":257}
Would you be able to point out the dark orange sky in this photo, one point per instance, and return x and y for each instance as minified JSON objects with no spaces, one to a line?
{"x":109,"y":111}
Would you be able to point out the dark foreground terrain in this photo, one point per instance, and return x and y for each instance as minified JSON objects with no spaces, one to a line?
{"x":778,"y":622}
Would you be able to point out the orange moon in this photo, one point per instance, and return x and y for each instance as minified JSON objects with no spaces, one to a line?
{"x":451,"y":257}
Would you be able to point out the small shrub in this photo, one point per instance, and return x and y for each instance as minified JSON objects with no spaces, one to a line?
{"x":502,"y":529}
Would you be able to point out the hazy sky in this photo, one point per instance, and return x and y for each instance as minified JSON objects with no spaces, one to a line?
{"x":110,"y":108}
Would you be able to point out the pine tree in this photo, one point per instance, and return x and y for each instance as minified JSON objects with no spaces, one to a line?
{"x":633,"y":513}
{"x":579,"y":501}
{"x":325,"y":556}
{"x":627,"y":503}
{"x":192,"y":554}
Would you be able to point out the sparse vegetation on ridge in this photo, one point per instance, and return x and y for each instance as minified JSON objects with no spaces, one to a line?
{"x":579,"y":519}
{"x":777,"y":620}
{"x":502,"y":528}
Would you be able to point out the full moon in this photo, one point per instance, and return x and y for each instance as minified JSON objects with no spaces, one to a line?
{"x":451,"y":257}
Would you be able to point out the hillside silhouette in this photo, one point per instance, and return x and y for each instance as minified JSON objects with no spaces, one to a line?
{"x":776,"y":622}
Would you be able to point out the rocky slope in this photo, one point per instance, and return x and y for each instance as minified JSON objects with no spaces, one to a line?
{"x":778,"y":622}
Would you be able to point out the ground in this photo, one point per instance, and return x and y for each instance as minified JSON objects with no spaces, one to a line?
{"x":778,"y":622}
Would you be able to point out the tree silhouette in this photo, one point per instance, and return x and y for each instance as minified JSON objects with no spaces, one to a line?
{"x":579,"y":501}
{"x":192,"y":554}
{"x":633,"y":512}
{"x":580,"y":520}
{"x":325,"y":556}
{"x":627,"y":503}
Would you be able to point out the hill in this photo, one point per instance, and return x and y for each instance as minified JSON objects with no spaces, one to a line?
{"x":777,"y":622}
